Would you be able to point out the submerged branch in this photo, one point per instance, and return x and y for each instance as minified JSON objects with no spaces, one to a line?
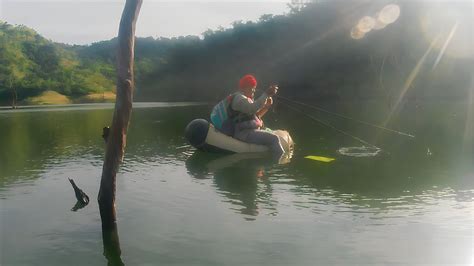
{"x":81,"y":196}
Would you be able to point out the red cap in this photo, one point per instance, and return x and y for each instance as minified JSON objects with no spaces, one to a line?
{"x":247,"y":81}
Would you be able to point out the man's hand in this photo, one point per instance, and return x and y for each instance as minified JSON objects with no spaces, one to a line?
{"x":272,"y":90}
{"x":268,"y":102}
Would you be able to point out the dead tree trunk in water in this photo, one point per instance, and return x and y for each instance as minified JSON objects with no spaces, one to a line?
{"x":123,"y":108}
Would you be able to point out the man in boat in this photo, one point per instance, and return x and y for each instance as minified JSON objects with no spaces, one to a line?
{"x":247,"y":115}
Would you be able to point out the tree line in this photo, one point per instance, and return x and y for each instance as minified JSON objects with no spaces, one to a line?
{"x":31,"y":64}
{"x":308,"y":52}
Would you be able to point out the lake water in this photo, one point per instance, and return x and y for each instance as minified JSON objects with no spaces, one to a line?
{"x":410,"y":204}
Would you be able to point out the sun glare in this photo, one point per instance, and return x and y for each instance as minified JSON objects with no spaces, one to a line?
{"x":455,"y":22}
{"x":469,"y":126}
{"x":410,"y":79}
{"x":446,"y":43}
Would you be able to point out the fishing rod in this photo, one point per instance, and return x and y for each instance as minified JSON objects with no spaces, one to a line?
{"x":331,"y":126}
{"x":345,"y":117}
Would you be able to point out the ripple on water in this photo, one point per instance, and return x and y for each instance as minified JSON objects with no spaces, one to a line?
{"x":412,"y":208}
{"x":359,"y":151}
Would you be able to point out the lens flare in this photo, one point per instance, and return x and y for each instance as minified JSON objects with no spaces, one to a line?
{"x":411,"y":77}
{"x":379,"y":24}
{"x":366,"y":24}
{"x":469,"y":127}
{"x":389,"y":14}
{"x":445,"y":45}
{"x":455,"y":22}
{"x":385,"y":16}
{"x":357,"y":34}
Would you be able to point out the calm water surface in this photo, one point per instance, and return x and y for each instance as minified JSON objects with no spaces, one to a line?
{"x":411,"y":204}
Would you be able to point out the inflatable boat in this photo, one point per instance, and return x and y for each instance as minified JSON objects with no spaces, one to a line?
{"x":203,"y":136}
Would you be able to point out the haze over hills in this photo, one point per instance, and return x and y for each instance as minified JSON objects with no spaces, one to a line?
{"x":309,"y":53}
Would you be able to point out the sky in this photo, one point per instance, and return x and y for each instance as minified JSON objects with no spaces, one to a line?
{"x":87,"y":21}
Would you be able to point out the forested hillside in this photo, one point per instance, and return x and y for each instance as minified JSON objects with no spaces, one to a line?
{"x":30,"y":65}
{"x":309,"y":52}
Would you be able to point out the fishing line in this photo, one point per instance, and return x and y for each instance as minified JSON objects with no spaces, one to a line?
{"x":345,"y":117}
{"x":330,"y":126}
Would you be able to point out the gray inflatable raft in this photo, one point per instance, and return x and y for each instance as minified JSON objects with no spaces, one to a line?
{"x":202,"y":135}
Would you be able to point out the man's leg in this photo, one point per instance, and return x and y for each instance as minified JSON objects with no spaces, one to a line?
{"x":266,"y":138}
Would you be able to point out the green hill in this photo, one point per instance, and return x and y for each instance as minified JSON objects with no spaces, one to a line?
{"x":308,"y":52}
{"x":31,"y":65}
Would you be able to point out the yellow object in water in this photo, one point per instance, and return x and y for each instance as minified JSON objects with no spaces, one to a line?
{"x":320,"y":158}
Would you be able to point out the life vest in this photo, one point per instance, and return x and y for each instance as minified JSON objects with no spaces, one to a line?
{"x":224,"y":118}
{"x":220,"y":112}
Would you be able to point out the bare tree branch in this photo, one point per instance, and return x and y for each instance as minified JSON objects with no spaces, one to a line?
{"x":123,"y":108}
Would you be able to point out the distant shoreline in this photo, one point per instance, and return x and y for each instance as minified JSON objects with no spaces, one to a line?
{"x":87,"y":106}
{"x":55,"y":98}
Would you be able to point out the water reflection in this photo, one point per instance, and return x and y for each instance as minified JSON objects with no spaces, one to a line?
{"x":240,"y":178}
{"x":111,"y":244}
{"x":79,"y":205}
{"x":31,"y":141}
{"x":164,"y":211}
{"x":375,"y":188}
